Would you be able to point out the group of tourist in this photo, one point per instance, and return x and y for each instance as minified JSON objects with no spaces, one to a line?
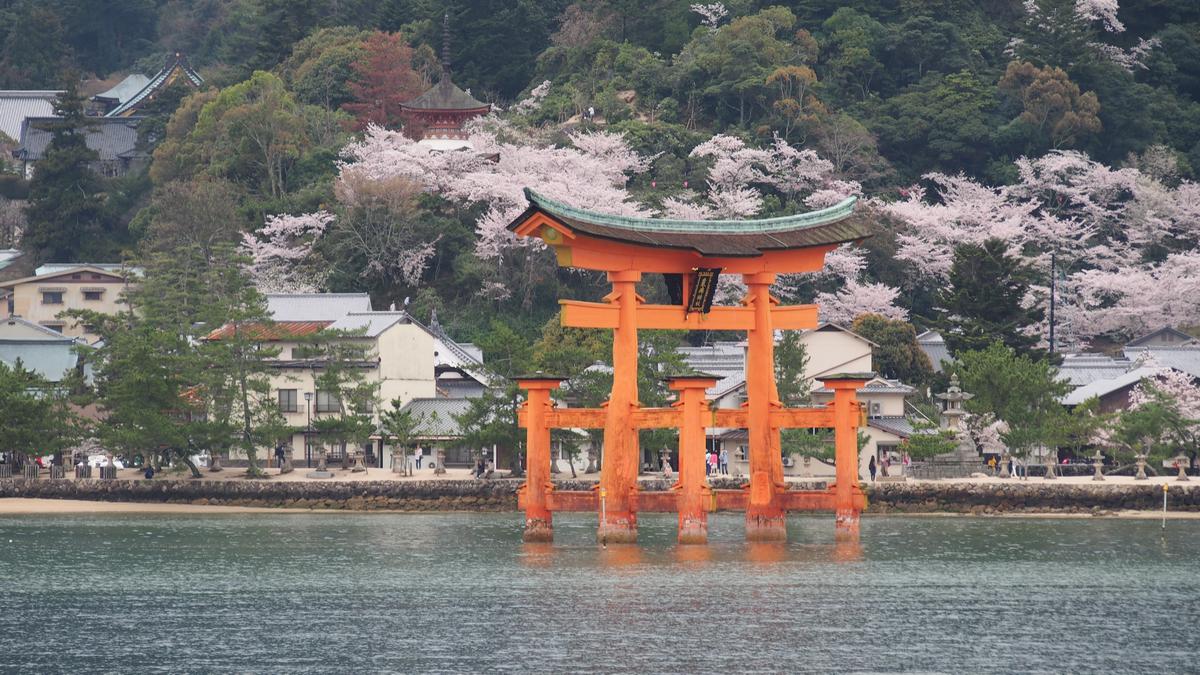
{"x":717,"y":463}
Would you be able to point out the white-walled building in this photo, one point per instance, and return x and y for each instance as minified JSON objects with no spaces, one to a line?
{"x":405,"y":359}
{"x":831,"y":349}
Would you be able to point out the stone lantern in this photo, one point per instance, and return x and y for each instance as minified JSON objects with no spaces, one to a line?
{"x":953,"y":412}
{"x":1181,"y":462}
{"x":1098,"y":465}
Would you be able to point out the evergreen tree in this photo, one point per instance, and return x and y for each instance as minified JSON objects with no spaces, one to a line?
{"x":984,"y":300}
{"x":898,"y":355}
{"x":37,"y":420}
{"x":65,"y":215}
{"x":1022,"y":392}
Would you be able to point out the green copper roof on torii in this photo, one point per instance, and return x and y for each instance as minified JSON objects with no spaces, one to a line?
{"x":799,"y":221}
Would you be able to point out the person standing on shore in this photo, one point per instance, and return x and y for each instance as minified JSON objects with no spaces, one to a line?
{"x":724,"y":462}
{"x":872,"y":468}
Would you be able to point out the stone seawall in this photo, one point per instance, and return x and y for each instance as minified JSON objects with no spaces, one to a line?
{"x":432,"y":495}
{"x":501,"y":495}
{"x":1034,"y":496}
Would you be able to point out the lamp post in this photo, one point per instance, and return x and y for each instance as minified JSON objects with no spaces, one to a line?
{"x":308,"y":397}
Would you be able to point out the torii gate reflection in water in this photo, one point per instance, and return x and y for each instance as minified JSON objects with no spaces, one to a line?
{"x":626,"y":248}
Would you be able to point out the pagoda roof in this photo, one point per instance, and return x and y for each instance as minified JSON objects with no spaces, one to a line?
{"x":177,"y":65}
{"x":445,"y":95}
{"x":836,"y":224}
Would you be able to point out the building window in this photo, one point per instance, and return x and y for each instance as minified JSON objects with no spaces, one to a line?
{"x":328,"y":402}
{"x":288,"y":402}
{"x":56,"y":327}
{"x":93,"y":295}
{"x":52,"y":297}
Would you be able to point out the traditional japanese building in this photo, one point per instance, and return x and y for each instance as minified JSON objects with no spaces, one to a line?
{"x":176,"y":69}
{"x":442,"y":111}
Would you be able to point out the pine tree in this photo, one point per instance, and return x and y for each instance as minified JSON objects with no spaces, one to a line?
{"x":66,"y":198}
{"x":984,"y":300}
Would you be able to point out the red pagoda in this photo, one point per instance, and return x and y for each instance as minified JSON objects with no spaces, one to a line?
{"x":442,"y":111}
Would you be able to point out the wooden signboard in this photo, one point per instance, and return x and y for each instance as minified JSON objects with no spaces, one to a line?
{"x":704,"y":287}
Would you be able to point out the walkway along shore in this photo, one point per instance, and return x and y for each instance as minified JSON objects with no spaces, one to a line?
{"x":970,"y":497}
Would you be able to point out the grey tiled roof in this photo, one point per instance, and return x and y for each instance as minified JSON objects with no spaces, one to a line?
{"x":726,"y":360}
{"x":316,"y":306}
{"x":436,"y":416}
{"x":1185,"y":359}
{"x":7,"y":256}
{"x":1102,"y":387}
{"x":1083,"y":369}
{"x":934,"y":345}
{"x":445,"y":95}
{"x":177,"y":61}
{"x":877,"y":386}
{"x":371,"y":323}
{"x":52,"y":359}
{"x":895,"y":425}
{"x":54,"y":268}
{"x":126,"y":88}
{"x":111,"y":138}
{"x":16,"y":106}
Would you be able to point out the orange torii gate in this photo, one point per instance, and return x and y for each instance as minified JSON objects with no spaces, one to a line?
{"x":695,"y":251}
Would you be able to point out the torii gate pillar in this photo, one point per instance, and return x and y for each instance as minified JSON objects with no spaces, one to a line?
{"x":619,"y":466}
{"x":534,"y":495}
{"x":695,"y":496}
{"x":849,"y":499}
{"x":765,"y":515}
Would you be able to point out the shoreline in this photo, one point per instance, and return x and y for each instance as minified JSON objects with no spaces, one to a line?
{"x":26,"y":506}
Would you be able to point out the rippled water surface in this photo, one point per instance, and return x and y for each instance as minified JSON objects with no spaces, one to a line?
{"x":460,"y":592}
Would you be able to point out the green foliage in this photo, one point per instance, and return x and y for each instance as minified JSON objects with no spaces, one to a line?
{"x":66,"y":214}
{"x":984,"y":300}
{"x":791,"y":360}
{"x":1156,"y":428}
{"x":339,"y":361}
{"x":815,"y":443}
{"x":399,"y":427}
{"x":1022,"y":392}
{"x":37,"y":419}
{"x":928,"y":441}
{"x":898,"y":355}
{"x":253,"y":134}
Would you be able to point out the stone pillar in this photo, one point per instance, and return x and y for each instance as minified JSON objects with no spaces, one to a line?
{"x":287,"y":466}
{"x":765,"y":518}
{"x":695,"y":495}
{"x":848,"y":496}
{"x":533,"y":495}
{"x":619,"y":469}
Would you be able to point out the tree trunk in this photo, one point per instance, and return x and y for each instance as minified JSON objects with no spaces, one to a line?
{"x":191,"y":466}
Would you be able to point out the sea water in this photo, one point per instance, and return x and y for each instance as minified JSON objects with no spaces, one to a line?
{"x":369,"y":592}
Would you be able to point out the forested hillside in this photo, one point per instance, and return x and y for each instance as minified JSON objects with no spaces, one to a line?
{"x":999,"y":144}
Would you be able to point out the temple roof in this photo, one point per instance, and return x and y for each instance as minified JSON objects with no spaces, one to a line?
{"x":177,"y":65}
{"x":445,"y":95}
{"x":836,"y":224}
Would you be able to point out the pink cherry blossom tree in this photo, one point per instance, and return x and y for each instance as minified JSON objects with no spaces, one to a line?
{"x":281,"y":254}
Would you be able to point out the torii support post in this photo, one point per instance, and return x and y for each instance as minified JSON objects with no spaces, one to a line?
{"x":533,"y":496}
{"x":695,"y":495}
{"x":619,"y":467}
{"x":765,"y":515}
{"x":849,"y":499}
